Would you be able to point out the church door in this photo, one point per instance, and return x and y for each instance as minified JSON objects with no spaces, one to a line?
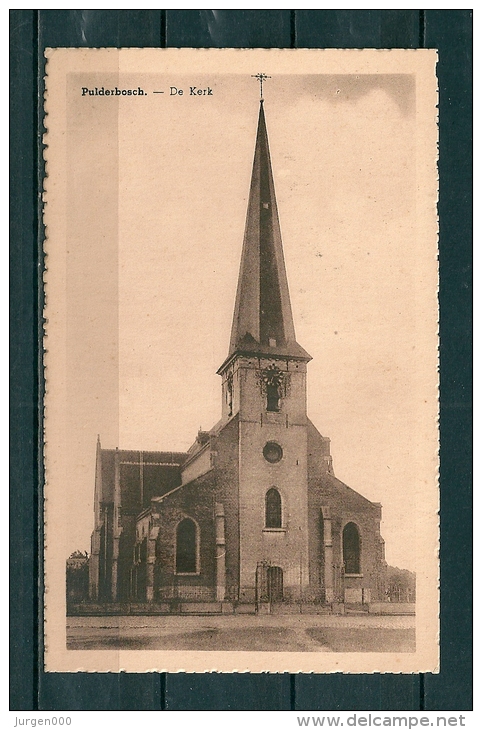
{"x":275,"y":585}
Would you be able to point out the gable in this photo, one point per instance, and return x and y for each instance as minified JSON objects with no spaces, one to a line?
{"x":337,"y":492}
{"x":324,"y":485}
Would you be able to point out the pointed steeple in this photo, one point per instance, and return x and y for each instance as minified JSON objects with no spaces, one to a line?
{"x":263,"y":322}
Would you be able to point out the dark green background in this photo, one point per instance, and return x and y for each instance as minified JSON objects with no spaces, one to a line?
{"x":451,"y":32}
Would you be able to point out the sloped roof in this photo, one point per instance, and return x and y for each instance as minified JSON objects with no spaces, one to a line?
{"x":162,"y":462}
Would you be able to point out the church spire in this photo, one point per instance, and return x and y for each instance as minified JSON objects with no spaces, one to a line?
{"x":263,"y":322}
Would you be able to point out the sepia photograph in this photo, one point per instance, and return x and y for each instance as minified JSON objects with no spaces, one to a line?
{"x":241,"y":360}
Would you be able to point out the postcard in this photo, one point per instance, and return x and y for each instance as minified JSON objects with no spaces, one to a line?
{"x":241,"y":360}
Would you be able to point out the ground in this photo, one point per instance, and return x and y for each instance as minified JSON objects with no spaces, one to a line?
{"x":244,"y":633}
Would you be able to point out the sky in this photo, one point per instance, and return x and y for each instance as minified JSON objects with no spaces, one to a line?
{"x":156,"y":205}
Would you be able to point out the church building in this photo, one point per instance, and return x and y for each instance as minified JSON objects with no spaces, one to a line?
{"x":252,"y":514}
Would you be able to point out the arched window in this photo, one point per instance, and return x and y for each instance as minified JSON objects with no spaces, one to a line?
{"x":186,"y":547}
{"x":229,"y":395}
{"x":272,"y":397}
{"x":351,"y":548}
{"x":273,"y":508}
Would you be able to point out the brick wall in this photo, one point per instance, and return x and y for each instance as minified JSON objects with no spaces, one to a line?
{"x":346,"y":505}
{"x":227,"y":493}
{"x":195,"y":500}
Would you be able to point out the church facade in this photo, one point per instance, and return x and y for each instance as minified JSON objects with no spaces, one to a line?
{"x":252,"y":513}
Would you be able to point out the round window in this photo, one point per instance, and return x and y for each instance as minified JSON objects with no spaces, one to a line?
{"x":272,"y":452}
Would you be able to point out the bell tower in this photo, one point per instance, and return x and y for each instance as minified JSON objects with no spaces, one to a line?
{"x":264,"y":386}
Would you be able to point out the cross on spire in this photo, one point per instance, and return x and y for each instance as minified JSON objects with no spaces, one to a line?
{"x":261,"y":77}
